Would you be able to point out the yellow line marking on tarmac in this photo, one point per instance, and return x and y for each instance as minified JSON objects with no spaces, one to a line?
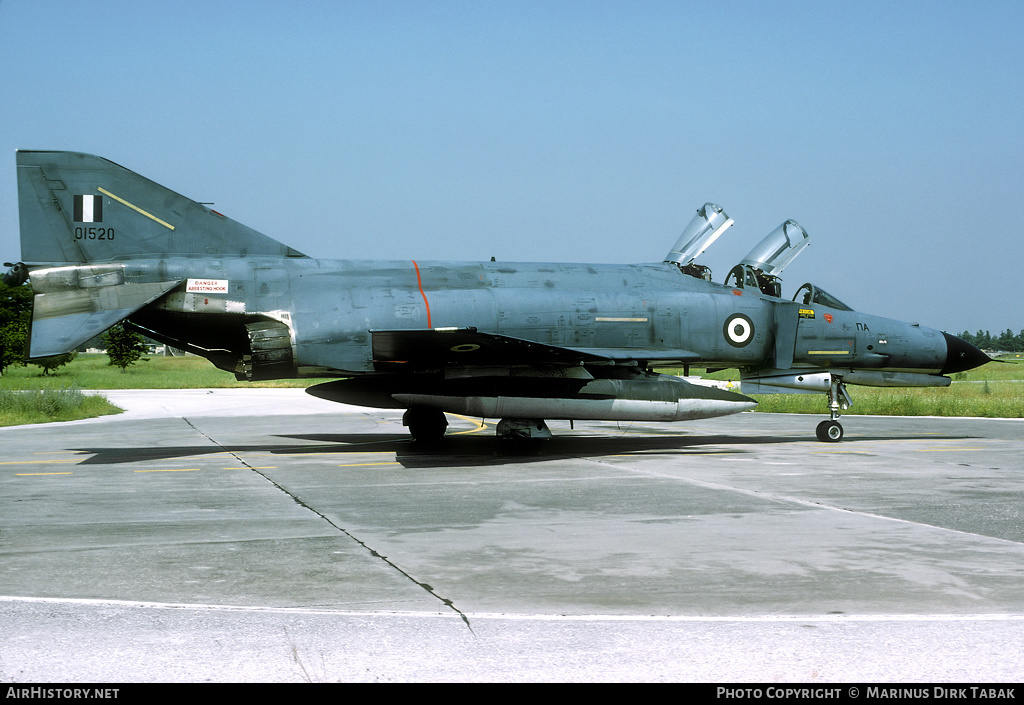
{"x":940,"y":450}
{"x":696,"y":450}
{"x":357,"y":465}
{"x":916,"y":450}
{"x":172,"y":470}
{"x":34,"y":462}
{"x":839,"y":452}
{"x":27,"y":474}
{"x":480,"y":425}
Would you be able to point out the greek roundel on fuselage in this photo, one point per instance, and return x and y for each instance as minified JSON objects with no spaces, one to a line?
{"x":738,"y":330}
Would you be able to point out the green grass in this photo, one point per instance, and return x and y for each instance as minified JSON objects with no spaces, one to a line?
{"x":157,"y":372}
{"x":27,"y":396}
{"x":995,"y":390}
{"x":40,"y":406}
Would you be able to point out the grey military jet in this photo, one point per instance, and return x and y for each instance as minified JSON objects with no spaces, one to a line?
{"x":519,"y":342}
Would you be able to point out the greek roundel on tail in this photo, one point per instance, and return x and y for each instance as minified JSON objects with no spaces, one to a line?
{"x":520,"y":342}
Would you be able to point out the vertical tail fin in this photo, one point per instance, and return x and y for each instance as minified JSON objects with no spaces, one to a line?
{"x":77,"y":208}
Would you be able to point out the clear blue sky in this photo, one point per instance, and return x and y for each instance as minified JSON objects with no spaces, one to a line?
{"x":561,"y":131}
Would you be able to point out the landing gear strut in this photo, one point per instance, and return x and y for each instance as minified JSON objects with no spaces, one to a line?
{"x":831,"y":431}
{"x":425,"y":425}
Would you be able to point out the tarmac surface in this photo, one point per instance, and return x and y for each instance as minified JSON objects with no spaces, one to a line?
{"x":265,"y":535}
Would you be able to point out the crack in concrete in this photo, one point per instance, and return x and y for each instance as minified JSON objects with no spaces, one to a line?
{"x":374,"y":553}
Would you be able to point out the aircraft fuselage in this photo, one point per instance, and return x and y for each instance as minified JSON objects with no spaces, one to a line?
{"x":329,"y":307}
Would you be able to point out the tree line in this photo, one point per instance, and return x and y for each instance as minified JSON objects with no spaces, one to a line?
{"x":1007,"y":341}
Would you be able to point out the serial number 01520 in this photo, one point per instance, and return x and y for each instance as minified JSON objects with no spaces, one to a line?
{"x":82,"y":233}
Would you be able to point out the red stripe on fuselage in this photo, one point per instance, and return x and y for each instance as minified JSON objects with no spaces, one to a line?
{"x":419,"y":281}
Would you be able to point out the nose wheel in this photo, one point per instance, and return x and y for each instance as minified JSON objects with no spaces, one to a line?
{"x":831,"y":431}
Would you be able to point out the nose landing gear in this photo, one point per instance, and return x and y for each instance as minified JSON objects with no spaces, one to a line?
{"x":831,"y":431}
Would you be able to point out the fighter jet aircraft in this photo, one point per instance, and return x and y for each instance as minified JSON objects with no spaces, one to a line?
{"x":519,"y":342}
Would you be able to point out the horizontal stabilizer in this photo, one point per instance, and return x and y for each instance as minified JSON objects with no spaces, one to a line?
{"x":63,"y":320}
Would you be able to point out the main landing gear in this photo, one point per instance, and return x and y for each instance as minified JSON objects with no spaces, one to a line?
{"x":831,"y":431}
{"x":523,"y":430}
{"x":428,"y":426}
{"x":425,"y":425}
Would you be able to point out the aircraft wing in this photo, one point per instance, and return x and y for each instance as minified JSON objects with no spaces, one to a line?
{"x":417,"y":349}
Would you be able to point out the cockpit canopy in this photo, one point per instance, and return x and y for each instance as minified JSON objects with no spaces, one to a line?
{"x":705,"y":227}
{"x":778,"y":248}
{"x":763,"y":264}
{"x":743,"y":276}
{"x":810,"y":294}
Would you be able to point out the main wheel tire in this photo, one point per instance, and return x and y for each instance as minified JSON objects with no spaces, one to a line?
{"x":829,"y":431}
{"x":425,"y":425}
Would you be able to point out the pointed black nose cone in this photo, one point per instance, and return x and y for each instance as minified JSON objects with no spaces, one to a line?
{"x":961,"y":355}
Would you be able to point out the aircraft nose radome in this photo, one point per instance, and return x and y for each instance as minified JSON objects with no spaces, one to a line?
{"x":961,"y":355}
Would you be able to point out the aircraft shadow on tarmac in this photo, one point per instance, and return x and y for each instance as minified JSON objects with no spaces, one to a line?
{"x":476,"y":451}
